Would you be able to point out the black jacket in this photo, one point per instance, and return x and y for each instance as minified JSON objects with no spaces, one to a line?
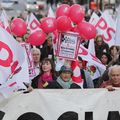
{"x":56,"y":85}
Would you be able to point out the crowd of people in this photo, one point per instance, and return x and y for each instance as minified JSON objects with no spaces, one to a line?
{"x":48,"y":77}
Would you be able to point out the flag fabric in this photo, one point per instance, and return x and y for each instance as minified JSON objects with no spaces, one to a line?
{"x":33,"y":23}
{"x":94,"y":19}
{"x":117,"y":34}
{"x":77,"y":78}
{"x":106,"y":27}
{"x":23,"y":73}
{"x":5,"y":20}
{"x":7,"y":89}
{"x":91,"y":46}
{"x":13,"y":67}
{"x":87,"y":56}
{"x":50,"y":12}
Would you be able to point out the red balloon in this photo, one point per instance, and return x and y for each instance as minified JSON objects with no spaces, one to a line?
{"x":64,"y":23}
{"x":75,"y":29}
{"x":76,"y":13}
{"x":18,"y":27}
{"x":87,"y":30}
{"x":37,"y":38}
{"x":62,"y":10}
{"x":49,"y":24}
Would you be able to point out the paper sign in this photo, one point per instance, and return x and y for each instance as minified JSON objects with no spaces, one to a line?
{"x":68,"y":45}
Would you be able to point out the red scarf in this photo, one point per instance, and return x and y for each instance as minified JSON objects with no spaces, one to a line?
{"x":43,"y":79}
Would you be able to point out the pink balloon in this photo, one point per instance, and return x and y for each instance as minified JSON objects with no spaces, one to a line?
{"x":76,"y":13}
{"x":87,"y":30}
{"x":37,"y":38}
{"x":62,"y":10}
{"x":49,"y":24}
{"x":64,"y":23}
{"x":18,"y":27}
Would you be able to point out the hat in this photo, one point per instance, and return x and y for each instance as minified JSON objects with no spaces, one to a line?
{"x":66,"y":69}
{"x":79,"y":58}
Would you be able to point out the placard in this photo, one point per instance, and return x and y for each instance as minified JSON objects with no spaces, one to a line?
{"x":68,"y":45}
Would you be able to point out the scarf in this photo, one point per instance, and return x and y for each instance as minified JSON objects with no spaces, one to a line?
{"x":46,"y":77}
{"x":43,"y":79}
{"x":65,"y":85}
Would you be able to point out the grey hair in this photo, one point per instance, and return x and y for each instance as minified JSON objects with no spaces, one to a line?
{"x":34,"y":49}
{"x":111,"y":68}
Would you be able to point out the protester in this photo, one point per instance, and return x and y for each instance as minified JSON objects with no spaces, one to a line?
{"x":47,"y":50}
{"x":114,"y":78}
{"x":87,"y":81}
{"x":36,"y":53}
{"x":64,"y":81}
{"x":114,"y":51}
{"x":105,"y":59}
{"x":47,"y":74}
{"x":100,"y":46}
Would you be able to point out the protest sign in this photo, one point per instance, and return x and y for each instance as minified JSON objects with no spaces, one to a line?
{"x":68,"y":45}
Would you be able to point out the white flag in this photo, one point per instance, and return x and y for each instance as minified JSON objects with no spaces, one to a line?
{"x":11,"y":55}
{"x":5,"y":20}
{"x":91,"y":46}
{"x":51,"y":13}
{"x":87,"y":56}
{"x":106,"y":26}
{"x":33,"y":23}
{"x":94,"y":19}
{"x":117,"y":34}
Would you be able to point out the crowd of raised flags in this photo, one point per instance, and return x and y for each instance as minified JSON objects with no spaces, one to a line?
{"x":13,"y":58}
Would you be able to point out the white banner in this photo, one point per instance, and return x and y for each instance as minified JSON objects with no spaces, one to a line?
{"x":94,"y":104}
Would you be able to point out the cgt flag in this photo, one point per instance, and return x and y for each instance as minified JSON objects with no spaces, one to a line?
{"x":11,"y":55}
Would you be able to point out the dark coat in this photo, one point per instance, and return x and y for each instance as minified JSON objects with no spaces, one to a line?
{"x":34,"y":83}
{"x":56,"y":85}
{"x":100,"y":49}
